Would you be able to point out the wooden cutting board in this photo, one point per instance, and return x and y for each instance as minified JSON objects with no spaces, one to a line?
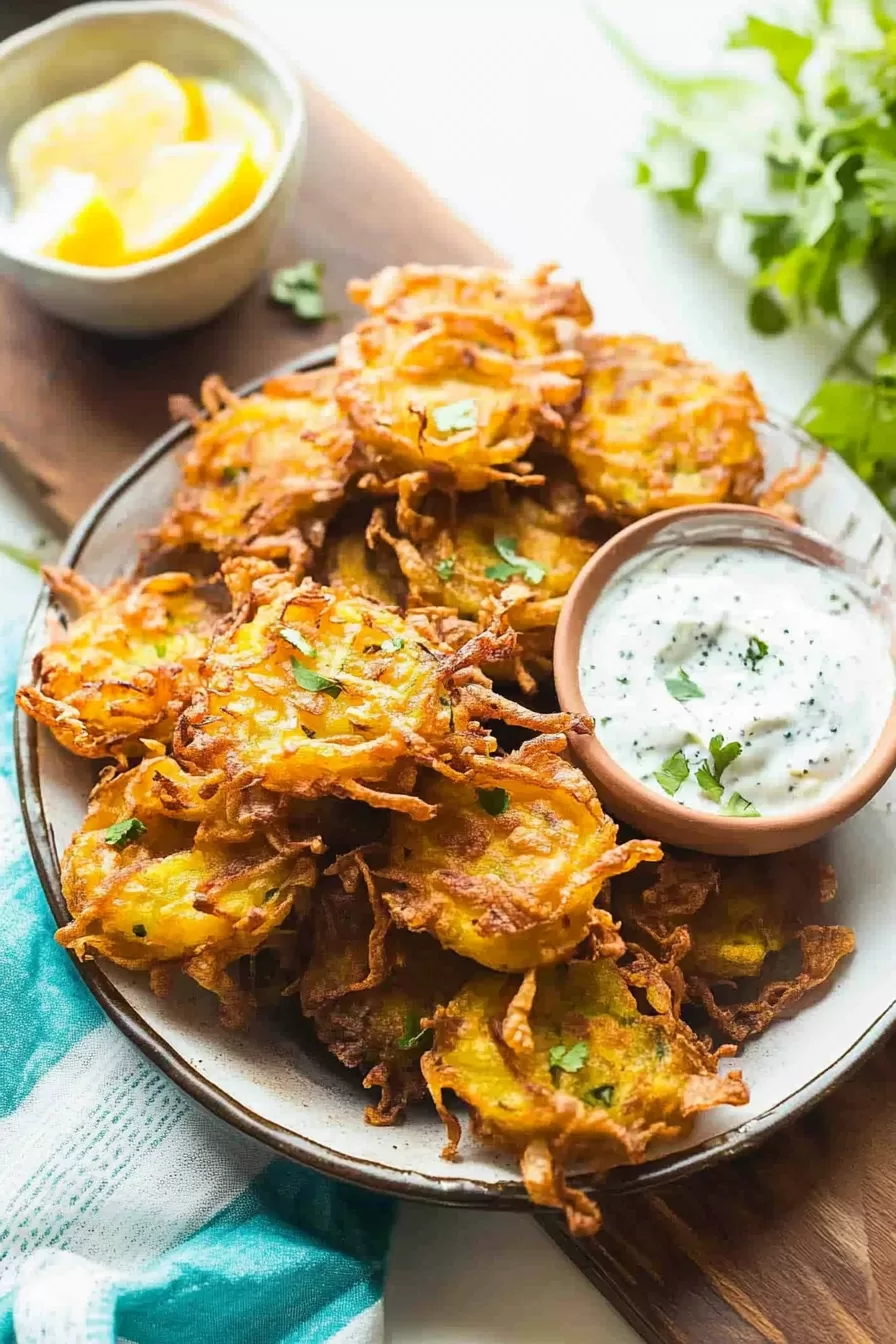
{"x":795,"y":1244}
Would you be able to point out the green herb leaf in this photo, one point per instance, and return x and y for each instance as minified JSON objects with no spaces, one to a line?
{"x":413,"y":1033}
{"x":308,"y":305}
{"x":757,"y":649}
{"x":766,"y":314}
{"x":298,"y":641}
{"x":709,"y":777}
{"x":568,"y":1058}
{"x":229,"y":474}
{"x":682,"y":688}
{"x":493,"y":801}
{"x":160,"y":650}
{"x":445,"y":568}
{"x":456,"y":416}
{"x":392,"y":645}
{"x":21,"y":556}
{"x":313,"y":681}
{"x":299,"y":286}
{"x":708,"y":782}
{"x":600,"y":1096}
{"x":672,"y":773}
{"x":736,"y":805}
{"x":122,"y":833}
{"x":512,"y":563}
{"x":788,"y":49}
{"x":138,"y":930}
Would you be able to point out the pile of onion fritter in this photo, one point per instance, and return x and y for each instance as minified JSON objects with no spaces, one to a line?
{"x":338,"y":782}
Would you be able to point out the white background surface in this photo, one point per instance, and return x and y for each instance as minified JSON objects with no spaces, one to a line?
{"x":523,"y":120}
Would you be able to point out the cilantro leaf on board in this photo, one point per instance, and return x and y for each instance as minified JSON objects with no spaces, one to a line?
{"x":682,"y":687}
{"x":299,"y":287}
{"x":672,"y":773}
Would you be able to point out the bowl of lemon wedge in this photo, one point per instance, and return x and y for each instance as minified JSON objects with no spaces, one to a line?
{"x":147,"y":151}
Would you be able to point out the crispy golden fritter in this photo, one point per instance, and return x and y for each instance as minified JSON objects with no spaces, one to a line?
{"x":465,"y":564}
{"x":144,"y":892}
{"x":657,"y":429}
{"x":509,"y":870}
{"x":352,"y":565}
{"x":259,"y":466}
{"x":318,"y":693}
{"x":437,"y":401}
{"x":713,"y":921}
{"x":125,"y":664}
{"x":367,"y":987}
{"x":532,"y":308}
{"x":563,"y":1069}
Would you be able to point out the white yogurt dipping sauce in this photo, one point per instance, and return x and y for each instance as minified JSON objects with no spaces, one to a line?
{"x":695,"y":651}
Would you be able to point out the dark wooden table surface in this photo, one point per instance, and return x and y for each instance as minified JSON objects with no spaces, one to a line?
{"x":795,"y":1244}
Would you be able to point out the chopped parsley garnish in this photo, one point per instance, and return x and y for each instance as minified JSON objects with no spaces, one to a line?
{"x":392,"y":645}
{"x":122,"y":833}
{"x":709,"y":777}
{"x":456,"y":416}
{"x":413,"y":1033}
{"x":735,"y":805}
{"x":672,"y":773}
{"x":682,"y":687}
{"x":299,"y":287}
{"x":160,"y":650}
{"x":493,"y":801}
{"x":313,"y":681}
{"x":512,"y":563}
{"x":756,"y":651}
{"x":230,"y":474}
{"x":298,"y":641}
{"x":445,"y":568}
{"x":568,"y":1058}
{"x":600,"y":1096}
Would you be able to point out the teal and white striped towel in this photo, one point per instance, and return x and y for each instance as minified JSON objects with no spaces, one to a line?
{"x":126,"y":1212}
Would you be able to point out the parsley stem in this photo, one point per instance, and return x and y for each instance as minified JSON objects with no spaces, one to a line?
{"x":845,"y":357}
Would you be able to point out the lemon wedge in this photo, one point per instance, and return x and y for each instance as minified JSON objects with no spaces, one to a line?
{"x":186,"y":191}
{"x":70,"y":218}
{"x":110,"y":131}
{"x":220,"y":113}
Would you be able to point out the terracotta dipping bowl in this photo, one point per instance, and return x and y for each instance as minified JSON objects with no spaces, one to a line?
{"x":626,"y":798}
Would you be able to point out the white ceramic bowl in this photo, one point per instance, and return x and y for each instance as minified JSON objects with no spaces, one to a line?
{"x":276,"y":1083}
{"x":87,"y":45}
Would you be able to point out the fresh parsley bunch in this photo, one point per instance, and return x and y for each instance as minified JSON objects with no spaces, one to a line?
{"x":801,"y":166}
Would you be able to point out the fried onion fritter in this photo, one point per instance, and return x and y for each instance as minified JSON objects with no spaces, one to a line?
{"x":367,"y":988}
{"x":319,"y":693}
{"x":564,"y":1070}
{"x":509,"y":870}
{"x":718,"y":920}
{"x":144,"y":892}
{"x":462,"y":566}
{"x":259,"y":466}
{"x":657,"y":429}
{"x":125,"y":664}
{"x":533,"y":308}
{"x":351,"y":566}
{"x":438,"y":401}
